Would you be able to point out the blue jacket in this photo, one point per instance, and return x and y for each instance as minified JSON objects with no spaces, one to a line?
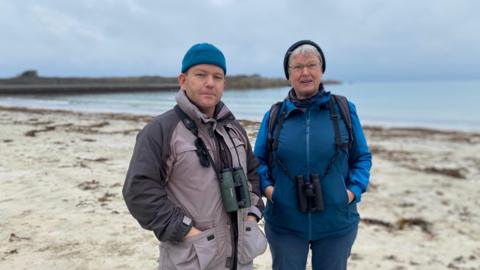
{"x":306,"y":145}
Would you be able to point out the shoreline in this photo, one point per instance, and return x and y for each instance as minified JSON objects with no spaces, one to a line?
{"x":144,"y":117}
{"x":82,"y":89}
{"x":61,"y":207}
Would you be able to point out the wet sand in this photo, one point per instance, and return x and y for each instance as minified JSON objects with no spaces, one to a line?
{"x":61,"y":175}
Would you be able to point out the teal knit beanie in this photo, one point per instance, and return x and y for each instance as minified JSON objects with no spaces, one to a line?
{"x":203,"y":53}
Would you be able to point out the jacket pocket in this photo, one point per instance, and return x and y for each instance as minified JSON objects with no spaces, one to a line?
{"x":334,"y":189}
{"x":251,"y":242}
{"x":196,"y":252}
{"x":184,"y":147}
{"x":186,"y":155}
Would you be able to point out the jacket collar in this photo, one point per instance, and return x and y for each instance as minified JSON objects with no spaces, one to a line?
{"x":320,"y":99}
{"x":221,"y":110}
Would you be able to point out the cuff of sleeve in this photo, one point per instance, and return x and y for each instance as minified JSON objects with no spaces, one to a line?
{"x":264,"y":185}
{"x":253,"y":210}
{"x":357,"y":191}
{"x":182,"y":231}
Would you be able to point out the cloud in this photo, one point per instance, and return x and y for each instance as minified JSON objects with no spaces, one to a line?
{"x":59,"y":25}
{"x":363,"y":40}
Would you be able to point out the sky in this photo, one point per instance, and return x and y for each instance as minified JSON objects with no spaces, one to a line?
{"x":364,"y":40}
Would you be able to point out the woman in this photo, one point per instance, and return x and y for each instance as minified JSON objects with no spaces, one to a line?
{"x":314,"y":166}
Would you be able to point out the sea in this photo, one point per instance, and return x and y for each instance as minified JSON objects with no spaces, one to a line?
{"x":446,"y":105}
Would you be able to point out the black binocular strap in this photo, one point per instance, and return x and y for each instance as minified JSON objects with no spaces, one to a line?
{"x":325,"y":173}
{"x":284,"y":169}
{"x":338,"y":142}
{"x":223,"y":152}
{"x":234,"y":147}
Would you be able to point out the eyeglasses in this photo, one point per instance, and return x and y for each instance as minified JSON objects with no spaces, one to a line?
{"x":299,"y":68}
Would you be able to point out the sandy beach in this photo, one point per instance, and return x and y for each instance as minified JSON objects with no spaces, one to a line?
{"x":61,"y":176}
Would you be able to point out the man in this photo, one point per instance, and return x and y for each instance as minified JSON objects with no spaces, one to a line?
{"x":185,"y":178}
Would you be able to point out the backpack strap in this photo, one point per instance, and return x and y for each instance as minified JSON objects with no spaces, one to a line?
{"x":336,"y":128}
{"x":272,"y":132}
{"x":345,"y":112}
{"x":278,"y":128}
{"x":274,"y":110}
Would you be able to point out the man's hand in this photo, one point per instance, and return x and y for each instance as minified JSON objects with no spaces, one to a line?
{"x":351,"y":196}
{"x":193,"y":231}
{"x":251,"y":218}
{"x":269,"y":192}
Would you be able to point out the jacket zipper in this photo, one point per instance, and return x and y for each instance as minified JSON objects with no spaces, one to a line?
{"x":232,"y":216}
{"x":307,"y":134}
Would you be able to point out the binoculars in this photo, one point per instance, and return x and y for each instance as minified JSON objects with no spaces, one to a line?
{"x":234,"y":189}
{"x":309,"y":194}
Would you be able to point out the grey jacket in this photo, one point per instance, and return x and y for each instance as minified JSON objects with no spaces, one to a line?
{"x":165,"y":182}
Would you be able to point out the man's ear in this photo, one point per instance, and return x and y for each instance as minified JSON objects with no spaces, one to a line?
{"x":181,"y":79}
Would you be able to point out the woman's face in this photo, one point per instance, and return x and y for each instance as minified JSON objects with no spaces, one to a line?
{"x":305,"y":74}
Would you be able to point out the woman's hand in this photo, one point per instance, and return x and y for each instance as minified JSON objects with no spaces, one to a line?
{"x":351,"y":196}
{"x":269,"y":192}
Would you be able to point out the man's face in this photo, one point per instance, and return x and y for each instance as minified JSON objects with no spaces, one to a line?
{"x":204,"y":86}
{"x":305,"y":74}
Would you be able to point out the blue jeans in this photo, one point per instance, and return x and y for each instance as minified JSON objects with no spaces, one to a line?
{"x":289,"y":252}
